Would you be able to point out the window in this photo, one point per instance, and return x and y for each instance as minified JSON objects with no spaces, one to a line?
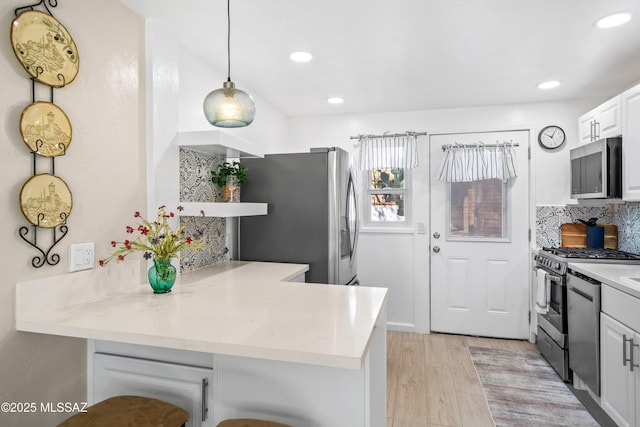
{"x":387,"y":198}
{"x":478,"y":210}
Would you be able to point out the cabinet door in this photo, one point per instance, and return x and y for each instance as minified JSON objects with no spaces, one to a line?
{"x":585,"y":127}
{"x":618,"y":382}
{"x":604,"y":121}
{"x":631,"y":144}
{"x":609,"y":119}
{"x":186,"y":386}
{"x":636,"y":370}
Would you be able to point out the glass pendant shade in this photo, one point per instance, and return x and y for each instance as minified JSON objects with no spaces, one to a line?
{"x":229,"y":107}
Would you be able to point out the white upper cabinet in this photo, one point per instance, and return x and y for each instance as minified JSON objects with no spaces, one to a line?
{"x":631,"y":144}
{"x":585,"y":124}
{"x":603,"y":121}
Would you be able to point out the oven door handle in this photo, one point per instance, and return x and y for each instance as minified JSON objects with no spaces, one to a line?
{"x":552,"y":277}
{"x":555,"y":278}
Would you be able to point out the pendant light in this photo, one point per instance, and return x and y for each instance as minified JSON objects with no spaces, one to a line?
{"x":229,"y":107}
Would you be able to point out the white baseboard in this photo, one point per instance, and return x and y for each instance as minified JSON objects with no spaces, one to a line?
{"x":401,"y":327}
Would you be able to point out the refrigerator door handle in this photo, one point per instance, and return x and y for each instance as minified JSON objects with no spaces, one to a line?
{"x":351,"y":196}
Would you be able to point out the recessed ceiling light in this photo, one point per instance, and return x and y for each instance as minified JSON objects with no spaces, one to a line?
{"x":301,"y":56}
{"x":613,"y":20}
{"x":549,"y":85}
{"x":335,"y":100}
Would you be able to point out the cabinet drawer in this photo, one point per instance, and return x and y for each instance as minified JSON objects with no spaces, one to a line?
{"x":621,"y":306}
{"x":555,"y":355}
{"x":188,"y":387}
{"x":160,"y":354}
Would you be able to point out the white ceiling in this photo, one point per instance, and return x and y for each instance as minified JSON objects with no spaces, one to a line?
{"x":404,"y":55}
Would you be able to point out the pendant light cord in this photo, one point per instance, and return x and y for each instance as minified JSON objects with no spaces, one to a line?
{"x":228,"y":41}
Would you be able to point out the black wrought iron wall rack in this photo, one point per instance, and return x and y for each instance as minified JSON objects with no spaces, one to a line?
{"x":32,"y":234}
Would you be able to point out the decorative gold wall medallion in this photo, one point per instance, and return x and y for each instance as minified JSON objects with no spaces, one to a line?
{"x":44,"y":48}
{"x":45,"y":200}
{"x":46,"y":129}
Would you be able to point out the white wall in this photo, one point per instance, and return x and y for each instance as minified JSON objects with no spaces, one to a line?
{"x":399,"y":261}
{"x":198,"y":78}
{"x":179,"y":81}
{"x":104,"y":169}
{"x":551,"y":185}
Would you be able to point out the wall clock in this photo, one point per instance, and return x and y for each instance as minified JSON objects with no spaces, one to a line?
{"x":551,"y":137}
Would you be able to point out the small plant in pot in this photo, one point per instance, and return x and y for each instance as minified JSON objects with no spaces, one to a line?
{"x":229,"y":177}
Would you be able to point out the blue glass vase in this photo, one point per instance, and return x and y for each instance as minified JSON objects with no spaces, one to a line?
{"x":162,"y":276}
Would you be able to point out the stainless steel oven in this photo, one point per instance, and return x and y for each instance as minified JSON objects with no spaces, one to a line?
{"x":553,"y":332}
{"x":552,"y":338}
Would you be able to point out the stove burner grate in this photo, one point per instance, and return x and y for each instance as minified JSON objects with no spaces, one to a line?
{"x":592,"y":253}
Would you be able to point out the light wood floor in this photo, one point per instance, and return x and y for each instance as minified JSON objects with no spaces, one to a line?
{"x":431,"y":381}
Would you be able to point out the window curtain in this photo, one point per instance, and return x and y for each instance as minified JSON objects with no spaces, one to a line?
{"x":388,"y":151}
{"x":464,"y":163}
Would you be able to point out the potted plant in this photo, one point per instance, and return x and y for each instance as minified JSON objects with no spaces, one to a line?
{"x":229,"y":177}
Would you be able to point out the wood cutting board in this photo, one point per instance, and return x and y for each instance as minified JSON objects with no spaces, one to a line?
{"x":575,"y":235}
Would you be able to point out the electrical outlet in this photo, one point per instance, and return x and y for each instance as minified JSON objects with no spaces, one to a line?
{"x":81,"y":256}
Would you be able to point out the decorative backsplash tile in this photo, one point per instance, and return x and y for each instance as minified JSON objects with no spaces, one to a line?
{"x":213,"y":231}
{"x":628,"y":222}
{"x":625,"y":216}
{"x":196,"y":186}
{"x":195,"y":176}
{"x":550,"y":218}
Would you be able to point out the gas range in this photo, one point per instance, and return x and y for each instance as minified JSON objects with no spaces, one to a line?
{"x":556,"y":340}
{"x":592,"y":253}
{"x":551,"y":265}
{"x":556,"y":259}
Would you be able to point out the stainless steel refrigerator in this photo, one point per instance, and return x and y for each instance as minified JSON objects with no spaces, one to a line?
{"x":312,"y":213}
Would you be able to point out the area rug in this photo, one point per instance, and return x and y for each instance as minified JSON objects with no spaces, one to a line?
{"x":522,"y":389}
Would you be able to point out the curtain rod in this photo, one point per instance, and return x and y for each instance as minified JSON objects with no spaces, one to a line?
{"x":479,"y":144}
{"x":391,"y":135}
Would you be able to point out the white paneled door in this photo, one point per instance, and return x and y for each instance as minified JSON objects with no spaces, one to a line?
{"x":479,"y":246}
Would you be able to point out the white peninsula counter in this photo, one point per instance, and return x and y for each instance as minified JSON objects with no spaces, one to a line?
{"x":233,"y":340}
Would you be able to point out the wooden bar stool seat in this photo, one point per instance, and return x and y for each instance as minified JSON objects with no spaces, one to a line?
{"x":247,"y":422}
{"x":125,"y":411}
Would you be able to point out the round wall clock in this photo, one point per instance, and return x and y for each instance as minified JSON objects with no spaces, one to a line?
{"x":551,"y":137}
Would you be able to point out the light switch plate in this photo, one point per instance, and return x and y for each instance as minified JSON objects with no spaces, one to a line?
{"x":81,"y":256}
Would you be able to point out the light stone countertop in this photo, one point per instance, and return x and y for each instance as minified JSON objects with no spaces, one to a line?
{"x":234,"y":308}
{"x":615,"y":275}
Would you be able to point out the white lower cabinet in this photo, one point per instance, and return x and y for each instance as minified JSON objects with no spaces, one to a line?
{"x":215,"y":387}
{"x":189,"y":387}
{"x":620,"y":381}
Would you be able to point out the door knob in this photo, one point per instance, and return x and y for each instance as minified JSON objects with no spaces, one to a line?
{"x":436,"y":235}
{"x":436,"y":249}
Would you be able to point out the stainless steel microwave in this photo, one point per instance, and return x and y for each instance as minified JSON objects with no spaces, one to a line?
{"x":596,"y":170}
